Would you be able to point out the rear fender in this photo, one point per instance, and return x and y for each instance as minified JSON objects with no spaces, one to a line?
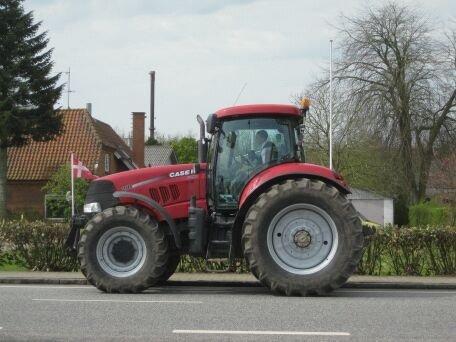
{"x":290,"y":171}
{"x":276,"y":174}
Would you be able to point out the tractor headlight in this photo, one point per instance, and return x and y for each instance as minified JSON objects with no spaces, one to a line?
{"x":91,"y":208}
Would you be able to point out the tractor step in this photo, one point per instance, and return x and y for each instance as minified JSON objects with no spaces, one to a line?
{"x":220,"y":242}
{"x":219,"y":249}
{"x":219,"y":245}
{"x":223,"y":221}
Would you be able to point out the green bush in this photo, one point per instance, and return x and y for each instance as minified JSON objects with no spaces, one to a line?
{"x":58,"y":186}
{"x":37,"y":245}
{"x":186,"y":149}
{"x":432,"y":214}
{"x":410,"y":251}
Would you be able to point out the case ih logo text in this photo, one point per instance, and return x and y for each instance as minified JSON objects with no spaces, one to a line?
{"x":182,"y":173}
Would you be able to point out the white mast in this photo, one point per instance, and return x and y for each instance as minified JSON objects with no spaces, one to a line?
{"x":72,"y":184}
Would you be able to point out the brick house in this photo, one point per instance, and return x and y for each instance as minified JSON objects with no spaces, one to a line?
{"x":94,"y":142}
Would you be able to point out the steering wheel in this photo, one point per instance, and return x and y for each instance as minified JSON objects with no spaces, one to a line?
{"x":244,"y":160}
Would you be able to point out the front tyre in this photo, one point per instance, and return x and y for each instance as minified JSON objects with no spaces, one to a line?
{"x":171,"y":266}
{"x":302,"y":237}
{"x":123,"y":250}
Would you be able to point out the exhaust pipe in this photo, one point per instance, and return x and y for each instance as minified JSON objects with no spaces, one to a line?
{"x":202,"y":146}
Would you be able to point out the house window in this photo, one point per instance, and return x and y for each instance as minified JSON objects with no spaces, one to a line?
{"x":107,"y":162}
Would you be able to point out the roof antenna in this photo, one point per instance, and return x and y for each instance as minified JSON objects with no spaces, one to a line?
{"x":239,"y":95}
{"x":68,"y":91}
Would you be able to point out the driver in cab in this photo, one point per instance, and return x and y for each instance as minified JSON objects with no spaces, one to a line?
{"x":256,"y":160}
{"x":268,"y":151}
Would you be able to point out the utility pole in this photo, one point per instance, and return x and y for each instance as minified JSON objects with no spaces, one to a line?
{"x":152,"y":105}
{"x":68,"y":91}
{"x":330,"y":105}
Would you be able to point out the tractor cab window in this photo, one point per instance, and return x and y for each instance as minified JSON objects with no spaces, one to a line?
{"x":246,"y":147}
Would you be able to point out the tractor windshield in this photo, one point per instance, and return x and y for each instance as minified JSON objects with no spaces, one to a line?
{"x":246,"y":147}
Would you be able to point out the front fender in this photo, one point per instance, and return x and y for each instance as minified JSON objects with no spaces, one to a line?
{"x":162,"y":211}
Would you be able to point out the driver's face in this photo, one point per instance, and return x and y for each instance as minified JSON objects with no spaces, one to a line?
{"x":259,"y":140}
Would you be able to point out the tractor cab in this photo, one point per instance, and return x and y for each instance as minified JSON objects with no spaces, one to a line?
{"x":246,"y":140}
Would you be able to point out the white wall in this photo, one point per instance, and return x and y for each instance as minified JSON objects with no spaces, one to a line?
{"x":376,"y":210}
{"x":388,"y":211}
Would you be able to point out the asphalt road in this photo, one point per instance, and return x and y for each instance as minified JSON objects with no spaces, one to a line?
{"x":183,"y":313}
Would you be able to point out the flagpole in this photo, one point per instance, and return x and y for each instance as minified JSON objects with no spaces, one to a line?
{"x":72,"y":185}
{"x":330,"y":105}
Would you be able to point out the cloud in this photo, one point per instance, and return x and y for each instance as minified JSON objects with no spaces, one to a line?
{"x":122,"y":8}
{"x":203,"y":52}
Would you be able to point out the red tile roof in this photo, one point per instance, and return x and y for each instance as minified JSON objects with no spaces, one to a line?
{"x":82,"y":135}
{"x":109,"y":137}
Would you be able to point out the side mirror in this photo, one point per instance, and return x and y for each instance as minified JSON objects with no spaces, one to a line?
{"x":231,"y":139}
{"x":211,"y":123}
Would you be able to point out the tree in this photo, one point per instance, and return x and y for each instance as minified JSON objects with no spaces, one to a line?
{"x":60,"y":184}
{"x":359,"y":156}
{"x":346,"y":124}
{"x":28,"y":92}
{"x":152,"y":142}
{"x":186,"y":149}
{"x":405,"y":80}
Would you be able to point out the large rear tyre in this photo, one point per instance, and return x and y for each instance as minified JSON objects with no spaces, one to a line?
{"x":123,"y":250}
{"x":302,"y":237}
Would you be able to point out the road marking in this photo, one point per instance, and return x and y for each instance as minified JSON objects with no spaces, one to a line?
{"x":430,"y":291}
{"x":117,"y":301}
{"x":46,"y":287}
{"x":259,"y":332}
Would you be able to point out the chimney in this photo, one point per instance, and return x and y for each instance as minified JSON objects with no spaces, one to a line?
{"x":89,"y":108}
{"x":152,"y":105}
{"x":137,"y":145}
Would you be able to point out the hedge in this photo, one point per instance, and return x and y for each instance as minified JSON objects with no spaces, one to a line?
{"x":432,"y":214}
{"x":38,"y":245}
{"x":425,"y":251}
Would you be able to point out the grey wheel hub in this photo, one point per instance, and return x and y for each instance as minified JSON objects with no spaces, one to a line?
{"x":121,"y":252}
{"x":302,"y":238}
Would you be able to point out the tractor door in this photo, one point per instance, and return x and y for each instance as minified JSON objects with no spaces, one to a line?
{"x":245,"y":147}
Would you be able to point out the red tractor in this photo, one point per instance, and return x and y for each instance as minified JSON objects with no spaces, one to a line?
{"x":250,"y":195}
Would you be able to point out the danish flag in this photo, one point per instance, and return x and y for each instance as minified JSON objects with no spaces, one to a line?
{"x":80,"y":170}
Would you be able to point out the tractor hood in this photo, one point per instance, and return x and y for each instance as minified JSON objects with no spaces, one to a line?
{"x":139,"y":178}
{"x":168,"y":185}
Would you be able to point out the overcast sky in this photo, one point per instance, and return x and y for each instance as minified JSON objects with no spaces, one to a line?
{"x":203,"y":52}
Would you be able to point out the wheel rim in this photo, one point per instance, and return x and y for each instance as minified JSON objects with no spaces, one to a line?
{"x":302,"y":239}
{"x":121,"y":252}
